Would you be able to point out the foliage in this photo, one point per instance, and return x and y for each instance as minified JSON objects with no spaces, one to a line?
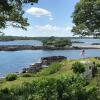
{"x":80,"y":30}
{"x":86,"y":17}
{"x":49,"y":84}
{"x":12,"y":38}
{"x":11,"y":77}
{"x":48,"y":41}
{"x":52,"y":41}
{"x":27,"y":75}
{"x":78,"y":67}
{"x":98,"y":64}
{"x":62,"y":42}
{"x":11,"y":12}
{"x":53,"y":68}
{"x":60,"y":88}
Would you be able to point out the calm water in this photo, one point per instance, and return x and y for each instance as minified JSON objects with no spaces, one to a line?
{"x":38,"y":43}
{"x":89,"y":41}
{"x":86,"y":41}
{"x":21,"y":42}
{"x":15,"y":61}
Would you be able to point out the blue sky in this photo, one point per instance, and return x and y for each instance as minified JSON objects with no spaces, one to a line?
{"x":47,"y":18}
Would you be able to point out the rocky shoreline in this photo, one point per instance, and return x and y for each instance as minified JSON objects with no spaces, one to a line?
{"x":45,"y":61}
{"x":30,"y":47}
{"x":34,"y":68}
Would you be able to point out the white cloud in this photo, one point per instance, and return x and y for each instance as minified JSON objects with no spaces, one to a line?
{"x":40,"y":31}
{"x":38,"y":12}
{"x":51,"y":30}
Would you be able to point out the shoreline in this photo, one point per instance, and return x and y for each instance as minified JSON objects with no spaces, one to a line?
{"x":36,"y":67}
{"x":30,"y":47}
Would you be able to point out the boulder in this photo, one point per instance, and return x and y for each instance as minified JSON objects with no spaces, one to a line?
{"x":49,"y":60}
{"x":33,"y":68}
{"x":45,"y":61}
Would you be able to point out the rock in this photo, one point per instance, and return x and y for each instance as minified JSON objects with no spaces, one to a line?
{"x":30,"y":47}
{"x":24,"y":70}
{"x":49,"y":60}
{"x":33,"y":68}
{"x":44,"y":62}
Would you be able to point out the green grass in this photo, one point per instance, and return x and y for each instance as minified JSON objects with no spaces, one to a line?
{"x":19,"y":81}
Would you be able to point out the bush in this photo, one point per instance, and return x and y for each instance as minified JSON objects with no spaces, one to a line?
{"x":11,"y":77}
{"x":78,"y":67}
{"x":62,"y":42}
{"x":56,"y":42}
{"x":27,"y":75}
{"x":98,"y":65}
{"x":48,"y":88}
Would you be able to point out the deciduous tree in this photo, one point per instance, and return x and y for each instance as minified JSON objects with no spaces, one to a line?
{"x":11,"y":11}
{"x":86,"y":17}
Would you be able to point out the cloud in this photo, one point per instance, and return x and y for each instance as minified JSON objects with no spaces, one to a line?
{"x":54,"y":30}
{"x":38,"y":12}
{"x":40,"y":31}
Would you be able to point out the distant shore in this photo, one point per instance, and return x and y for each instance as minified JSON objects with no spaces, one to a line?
{"x":30,"y":47}
{"x":12,"y":38}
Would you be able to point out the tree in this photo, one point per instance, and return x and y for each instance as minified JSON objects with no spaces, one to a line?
{"x":86,"y":17}
{"x":52,"y":41}
{"x":62,"y":42}
{"x":11,"y":11}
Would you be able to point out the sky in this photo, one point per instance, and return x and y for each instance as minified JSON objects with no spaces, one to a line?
{"x":47,"y":18}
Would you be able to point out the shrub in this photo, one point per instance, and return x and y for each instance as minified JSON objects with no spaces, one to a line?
{"x":62,"y":42}
{"x":11,"y":77}
{"x":98,"y":65}
{"x":78,"y":67}
{"x":49,"y":88}
{"x":27,"y":75}
{"x":56,"y":42}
